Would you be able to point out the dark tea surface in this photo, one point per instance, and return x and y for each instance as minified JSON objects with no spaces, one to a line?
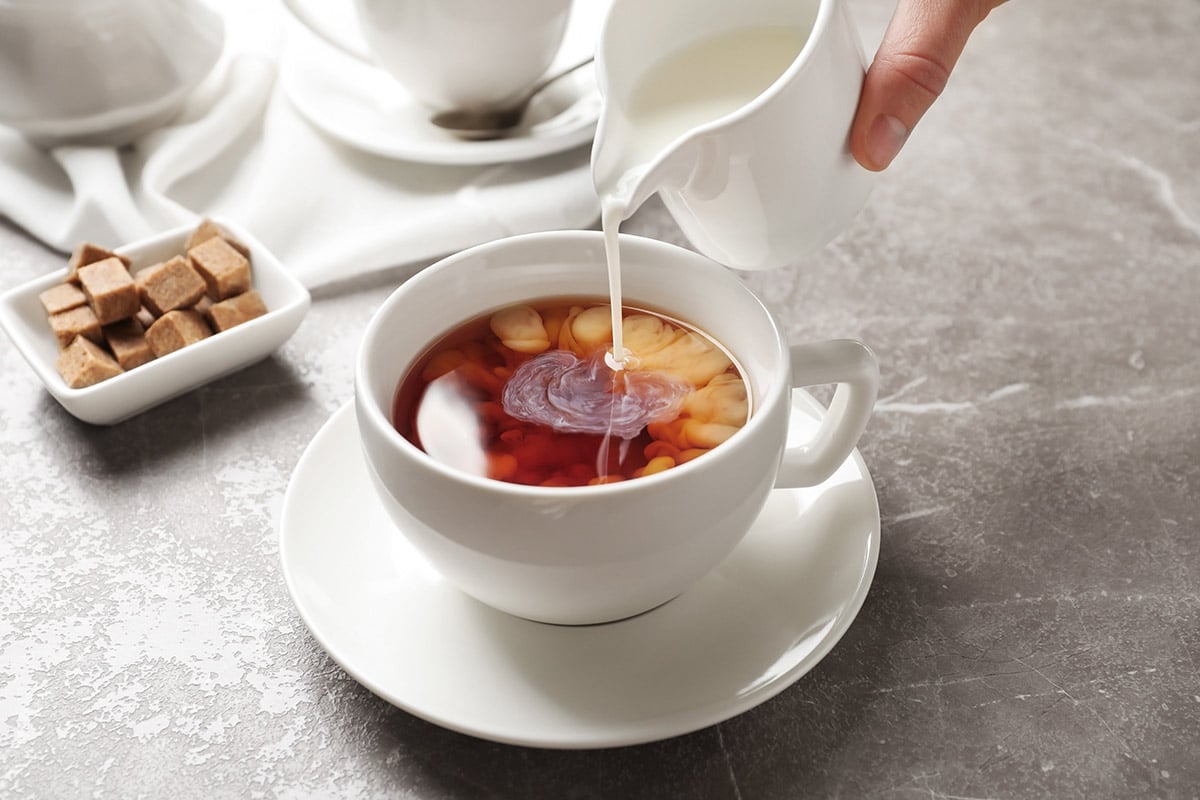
{"x":528,"y":394}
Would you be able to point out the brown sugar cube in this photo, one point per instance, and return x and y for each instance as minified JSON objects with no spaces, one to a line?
{"x":127,"y":340}
{"x":176,"y":329}
{"x":225,"y":270}
{"x":236,"y":310}
{"x":207,"y":229}
{"x":203,"y":305}
{"x":145,"y":317}
{"x":170,"y":285}
{"x":63,"y":297}
{"x":76,"y":322}
{"x":88,"y":253}
{"x":84,"y":363}
{"x":110,"y":290}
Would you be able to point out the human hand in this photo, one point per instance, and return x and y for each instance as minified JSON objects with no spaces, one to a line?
{"x":919,"y":49}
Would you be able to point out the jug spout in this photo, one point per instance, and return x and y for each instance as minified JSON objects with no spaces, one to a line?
{"x":626,"y":175}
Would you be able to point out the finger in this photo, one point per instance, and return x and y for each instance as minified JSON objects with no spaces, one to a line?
{"x":920,"y":48}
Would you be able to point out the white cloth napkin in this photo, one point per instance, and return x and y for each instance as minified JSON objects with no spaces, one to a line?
{"x":240,"y":149}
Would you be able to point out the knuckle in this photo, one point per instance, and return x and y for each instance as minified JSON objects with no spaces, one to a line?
{"x":925,"y":72}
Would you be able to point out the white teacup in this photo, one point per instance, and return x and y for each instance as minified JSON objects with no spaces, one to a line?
{"x":101,"y":71}
{"x":454,"y":54}
{"x":599,"y":553}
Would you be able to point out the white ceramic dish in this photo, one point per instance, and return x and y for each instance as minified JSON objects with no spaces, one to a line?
{"x":746,"y":632}
{"x":362,"y":106}
{"x":24,"y":320}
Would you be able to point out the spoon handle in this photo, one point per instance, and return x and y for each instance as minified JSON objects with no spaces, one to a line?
{"x":549,"y":79}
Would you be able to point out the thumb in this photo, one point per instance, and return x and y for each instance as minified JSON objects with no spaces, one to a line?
{"x":919,"y":49}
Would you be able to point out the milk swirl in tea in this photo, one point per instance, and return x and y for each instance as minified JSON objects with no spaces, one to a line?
{"x":525,"y":395}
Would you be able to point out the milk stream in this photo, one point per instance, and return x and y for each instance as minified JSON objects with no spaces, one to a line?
{"x":698,"y":85}
{"x":612,"y":211}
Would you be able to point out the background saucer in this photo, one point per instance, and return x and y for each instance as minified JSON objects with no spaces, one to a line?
{"x":740,"y":636}
{"x":365,"y":108}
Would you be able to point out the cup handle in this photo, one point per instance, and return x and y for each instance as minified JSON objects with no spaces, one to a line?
{"x":300,"y":10}
{"x":852,"y":366}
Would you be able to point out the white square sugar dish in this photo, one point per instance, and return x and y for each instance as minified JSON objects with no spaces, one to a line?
{"x":118,"y":398}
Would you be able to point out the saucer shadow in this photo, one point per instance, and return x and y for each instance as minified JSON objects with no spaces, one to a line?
{"x":769,"y":751}
{"x":787,"y":742}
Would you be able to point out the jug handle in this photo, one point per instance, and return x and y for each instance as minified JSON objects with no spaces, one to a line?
{"x":300,"y":10}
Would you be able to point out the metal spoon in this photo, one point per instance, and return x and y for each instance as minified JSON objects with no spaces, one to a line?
{"x":496,"y":123}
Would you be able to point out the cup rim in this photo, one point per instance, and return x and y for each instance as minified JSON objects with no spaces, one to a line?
{"x":373,"y":417}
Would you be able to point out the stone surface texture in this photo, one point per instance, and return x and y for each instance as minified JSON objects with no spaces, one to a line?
{"x":1028,"y":272}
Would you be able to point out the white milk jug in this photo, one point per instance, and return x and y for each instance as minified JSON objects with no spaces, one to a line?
{"x":741,"y":125}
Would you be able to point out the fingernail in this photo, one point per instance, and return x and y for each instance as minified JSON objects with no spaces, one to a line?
{"x":885,"y":139}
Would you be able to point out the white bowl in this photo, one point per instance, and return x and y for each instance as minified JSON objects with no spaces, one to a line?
{"x":24,"y":320}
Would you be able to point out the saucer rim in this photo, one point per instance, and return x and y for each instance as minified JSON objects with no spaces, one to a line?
{"x":449,"y":152}
{"x":677,"y":723}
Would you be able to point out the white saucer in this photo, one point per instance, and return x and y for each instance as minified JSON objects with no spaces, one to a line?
{"x":740,"y":636}
{"x":362,"y":106}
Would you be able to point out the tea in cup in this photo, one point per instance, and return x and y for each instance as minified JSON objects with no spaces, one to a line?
{"x":454,"y":54}
{"x":593,"y":493}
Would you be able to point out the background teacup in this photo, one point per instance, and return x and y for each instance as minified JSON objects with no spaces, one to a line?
{"x":453,"y":54}
{"x":101,"y":71}
{"x":599,"y":553}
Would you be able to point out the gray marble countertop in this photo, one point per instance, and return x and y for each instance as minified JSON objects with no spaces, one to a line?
{"x":1028,"y":272}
